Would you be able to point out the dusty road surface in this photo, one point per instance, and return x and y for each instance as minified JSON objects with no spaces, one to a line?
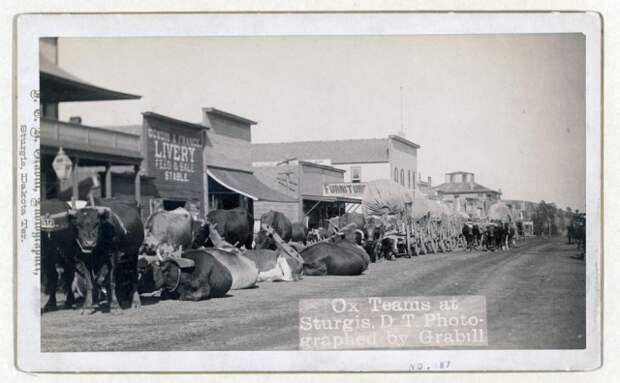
{"x":535,"y":297}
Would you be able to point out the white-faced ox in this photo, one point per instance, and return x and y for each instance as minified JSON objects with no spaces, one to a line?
{"x":109,"y":238}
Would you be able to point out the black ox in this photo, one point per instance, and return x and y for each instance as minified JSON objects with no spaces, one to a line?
{"x":235,"y":226}
{"x":109,"y":238}
{"x":58,"y":248}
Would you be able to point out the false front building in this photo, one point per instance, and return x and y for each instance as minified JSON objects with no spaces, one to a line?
{"x":198,"y":166}
{"x":335,"y":170}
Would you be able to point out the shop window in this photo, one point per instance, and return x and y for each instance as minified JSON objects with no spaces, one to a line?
{"x":356,"y":174}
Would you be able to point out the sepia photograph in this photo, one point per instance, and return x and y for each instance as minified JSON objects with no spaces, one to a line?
{"x":314,"y":192}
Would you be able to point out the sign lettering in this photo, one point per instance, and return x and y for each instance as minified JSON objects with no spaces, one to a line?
{"x":344,"y":189}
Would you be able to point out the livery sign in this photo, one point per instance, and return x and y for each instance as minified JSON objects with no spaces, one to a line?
{"x":173,"y":156}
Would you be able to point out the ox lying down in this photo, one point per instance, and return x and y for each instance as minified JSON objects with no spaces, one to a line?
{"x":195,"y":276}
{"x":275,"y":266}
{"x":339,"y":257}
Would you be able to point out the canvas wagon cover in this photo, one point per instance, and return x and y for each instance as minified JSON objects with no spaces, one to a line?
{"x":499,"y":211}
{"x":385,"y":197}
{"x":423,"y":205}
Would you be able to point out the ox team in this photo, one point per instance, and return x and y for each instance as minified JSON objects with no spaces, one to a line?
{"x":109,"y":257}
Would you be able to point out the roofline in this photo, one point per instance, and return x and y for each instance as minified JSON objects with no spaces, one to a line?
{"x":484,"y":188}
{"x":116,"y":94}
{"x":320,"y":166}
{"x":209,"y":166}
{"x":466,"y":192}
{"x":460,"y":172}
{"x":228,"y":115}
{"x":404,"y":141}
{"x":318,"y":141}
{"x":174,"y":120}
{"x":360,"y":162}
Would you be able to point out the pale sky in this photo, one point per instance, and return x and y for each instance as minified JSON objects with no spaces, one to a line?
{"x":510,"y":108}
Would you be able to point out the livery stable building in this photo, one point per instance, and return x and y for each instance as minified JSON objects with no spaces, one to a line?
{"x":198,"y":166}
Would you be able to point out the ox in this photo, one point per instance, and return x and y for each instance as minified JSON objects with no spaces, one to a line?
{"x":243,"y":270}
{"x":280,"y":224}
{"x":58,"y":247}
{"x":195,"y":276}
{"x":109,"y":238}
{"x":340,"y":257}
{"x":468,"y":233}
{"x":299,"y":233}
{"x":275,"y":265}
{"x":236,"y":226}
{"x":173,"y":228}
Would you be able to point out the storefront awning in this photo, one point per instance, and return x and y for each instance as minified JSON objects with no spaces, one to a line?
{"x":248,"y":185}
{"x":323,"y":198}
{"x":320,"y":198}
{"x":349,"y":200}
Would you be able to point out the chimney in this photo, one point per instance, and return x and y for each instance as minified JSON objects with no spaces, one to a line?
{"x":447,"y":178}
{"x":77,"y":120}
{"x":429,"y":181}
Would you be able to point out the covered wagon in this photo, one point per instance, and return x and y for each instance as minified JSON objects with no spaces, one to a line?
{"x":388,"y":208}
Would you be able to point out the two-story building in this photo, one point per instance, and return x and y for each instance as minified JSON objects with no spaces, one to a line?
{"x":345,"y":166}
{"x":362,"y":160}
{"x":90,"y":149}
{"x":465,"y":195}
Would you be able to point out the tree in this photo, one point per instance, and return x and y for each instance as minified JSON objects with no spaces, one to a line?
{"x":544,"y":219}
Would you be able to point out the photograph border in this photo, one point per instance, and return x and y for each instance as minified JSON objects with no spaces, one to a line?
{"x":31,"y":27}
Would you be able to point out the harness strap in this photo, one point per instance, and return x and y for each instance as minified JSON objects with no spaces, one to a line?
{"x":120,"y":222}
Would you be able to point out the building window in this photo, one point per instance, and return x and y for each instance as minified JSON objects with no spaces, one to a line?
{"x":396,"y":175}
{"x":409,"y":179}
{"x":356,"y":174}
{"x":402,"y":177}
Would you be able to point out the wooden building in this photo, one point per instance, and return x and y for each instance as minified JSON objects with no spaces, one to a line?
{"x":306,"y":182}
{"x":89,"y":148}
{"x":465,"y":195}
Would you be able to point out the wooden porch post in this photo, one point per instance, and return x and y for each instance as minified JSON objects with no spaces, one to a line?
{"x":75,"y":192}
{"x":137,"y":186}
{"x":108,"y":181}
{"x":300,"y":191}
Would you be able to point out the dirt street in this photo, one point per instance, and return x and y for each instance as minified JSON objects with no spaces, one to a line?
{"x":535,"y":298}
